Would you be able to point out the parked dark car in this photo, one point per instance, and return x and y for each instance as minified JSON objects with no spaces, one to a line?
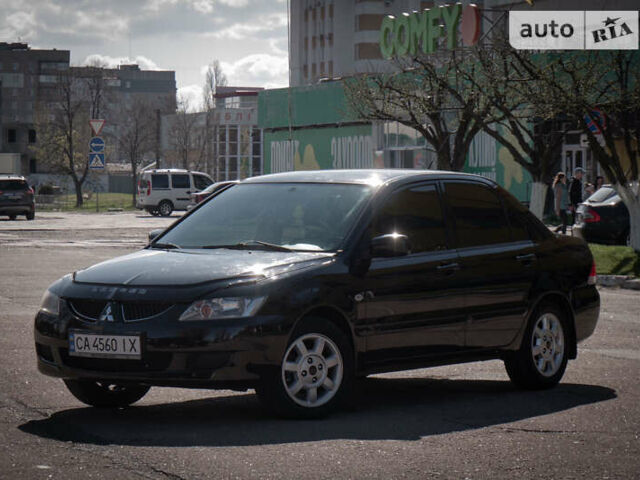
{"x":603,"y":218}
{"x":296,"y":283}
{"x":16,"y":197}
{"x":198,"y":197}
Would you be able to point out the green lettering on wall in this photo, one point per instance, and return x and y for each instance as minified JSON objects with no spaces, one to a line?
{"x":451,"y":17}
{"x":418,"y":32}
{"x":401,"y":35}
{"x":386,"y":37}
{"x":434,"y":29}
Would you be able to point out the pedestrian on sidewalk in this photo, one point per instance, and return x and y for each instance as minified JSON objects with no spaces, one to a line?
{"x":561,"y":196}
{"x":575,"y":192}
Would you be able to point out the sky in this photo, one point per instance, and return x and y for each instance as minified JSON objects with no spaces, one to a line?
{"x":248,"y":37}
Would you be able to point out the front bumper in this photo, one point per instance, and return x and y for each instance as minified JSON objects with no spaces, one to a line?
{"x":213,"y":354}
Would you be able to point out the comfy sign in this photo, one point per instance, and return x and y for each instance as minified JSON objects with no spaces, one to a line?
{"x":592,"y":30}
{"x":413,"y":33}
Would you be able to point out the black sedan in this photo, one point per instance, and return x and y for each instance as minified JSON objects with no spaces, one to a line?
{"x":295,"y":284}
{"x":603,"y":218}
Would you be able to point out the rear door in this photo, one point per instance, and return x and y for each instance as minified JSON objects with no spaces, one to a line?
{"x":497,"y":267}
{"x":14,"y":192}
{"x":413,"y":308}
{"x":181,"y":190}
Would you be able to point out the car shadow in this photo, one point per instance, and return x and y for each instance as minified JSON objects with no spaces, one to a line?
{"x":401,"y":409}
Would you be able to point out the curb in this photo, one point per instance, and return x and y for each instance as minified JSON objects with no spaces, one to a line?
{"x":621,"y":281}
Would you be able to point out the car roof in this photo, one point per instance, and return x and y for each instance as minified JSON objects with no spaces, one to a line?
{"x":9,"y":176}
{"x":171,"y":170}
{"x":374,"y":177}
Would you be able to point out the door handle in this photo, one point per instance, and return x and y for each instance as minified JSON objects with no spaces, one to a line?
{"x":526,"y":259}
{"x":448,"y":268}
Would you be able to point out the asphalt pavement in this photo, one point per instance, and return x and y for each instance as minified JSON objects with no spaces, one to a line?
{"x":462,"y":421}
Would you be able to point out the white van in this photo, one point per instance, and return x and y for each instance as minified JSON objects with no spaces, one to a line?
{"x":162,"y":191}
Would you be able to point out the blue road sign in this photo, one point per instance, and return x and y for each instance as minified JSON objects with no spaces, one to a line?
{"x":96,"y":161}
{"x":96,"y":144}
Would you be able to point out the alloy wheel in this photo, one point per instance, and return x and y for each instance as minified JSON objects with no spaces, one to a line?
{"x":312,"y":370}
{"x":547,"y":344}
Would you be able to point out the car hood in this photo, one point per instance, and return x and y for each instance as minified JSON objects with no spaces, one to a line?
{"x":192,"y":267}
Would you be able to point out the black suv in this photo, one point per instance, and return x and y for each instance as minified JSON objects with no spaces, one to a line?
{"x":16,"y":197}
{"x":295,"y":284}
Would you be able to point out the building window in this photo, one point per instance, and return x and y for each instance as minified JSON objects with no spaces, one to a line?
{"x":313,"y":42}
{"x":322,"y":12}
{"x":368,"y":51}
{"x":11,"y":135}
{"x":331,"y":10}
{"x":321,"y":68}
{"x":331,"y":68}
{"x":32,"y":135}
{"x":369,"y":21}
{"x":306,"y":14}
{"x":424,"y":5}
{"x":305,"y":70}
{"x":313,"y":14}
{"x":15,"y":67}
{"x":33,"y":166}
{"x":313,"y":70}
{"x":321,"y":40}
{"x":330,"y":39}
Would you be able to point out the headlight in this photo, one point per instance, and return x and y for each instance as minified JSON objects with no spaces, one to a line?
{"x":224,"y":307}
{"x":50,"y":303}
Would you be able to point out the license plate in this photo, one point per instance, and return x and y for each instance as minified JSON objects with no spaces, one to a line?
{"x":104,"y":346}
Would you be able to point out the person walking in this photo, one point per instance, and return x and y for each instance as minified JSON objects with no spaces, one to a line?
{"x":599,"y":182}
{"x":575,"y":192}
{"x":561,"y":196}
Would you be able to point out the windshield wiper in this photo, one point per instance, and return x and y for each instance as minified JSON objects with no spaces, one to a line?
{"x":166,"y":246}
{"x":251,"y":244}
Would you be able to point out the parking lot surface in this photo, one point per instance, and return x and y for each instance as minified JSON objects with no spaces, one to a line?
{"x":463,"y":421}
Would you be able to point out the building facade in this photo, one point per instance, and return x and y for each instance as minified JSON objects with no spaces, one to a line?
{"x":225,"y":142}
{"x":27,"y":77}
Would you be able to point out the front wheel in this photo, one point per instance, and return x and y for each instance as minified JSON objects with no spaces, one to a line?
{"x":315,"y":375}
{"x":542,"y":359}
{"x":105,"y":394}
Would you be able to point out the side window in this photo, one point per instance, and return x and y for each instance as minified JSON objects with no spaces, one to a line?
{"x":478,"y":215}
{"x":180,"y":181}
{"x":416,"y":213}
{"x":201,"y":182}
{"x":524,"y":224}
{"x":159,"y":181}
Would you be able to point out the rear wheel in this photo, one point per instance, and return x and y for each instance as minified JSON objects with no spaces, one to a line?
{"x":31,"y":215}
{"x":542,"y":358}
{"x":165,"y":208}
{"x":105,"y":394}
{"x":315,"y":375}
{"x":12,"y":216}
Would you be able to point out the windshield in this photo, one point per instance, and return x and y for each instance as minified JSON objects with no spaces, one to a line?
{"x":303,"y":217}
{"x":602,"y":195}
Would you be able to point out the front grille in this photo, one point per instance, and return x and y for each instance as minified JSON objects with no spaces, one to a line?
{"x":90,"y":309}
{"x":87,"y":308}
{"x":152,"y":362}
{"x":132,"y":312}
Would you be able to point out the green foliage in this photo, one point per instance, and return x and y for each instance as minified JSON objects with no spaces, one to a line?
{"x":615,"y":260}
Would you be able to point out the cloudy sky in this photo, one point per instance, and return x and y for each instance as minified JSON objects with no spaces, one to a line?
{"x":249,"y":37}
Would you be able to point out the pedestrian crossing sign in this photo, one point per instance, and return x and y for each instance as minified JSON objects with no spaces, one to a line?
{"x":96,"y":161}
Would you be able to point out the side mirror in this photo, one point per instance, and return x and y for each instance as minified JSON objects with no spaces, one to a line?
{"x":154,"y":233}
{"x":390,"y":245}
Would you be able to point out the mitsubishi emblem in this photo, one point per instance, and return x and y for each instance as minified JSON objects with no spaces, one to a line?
{"x":106,"y":315}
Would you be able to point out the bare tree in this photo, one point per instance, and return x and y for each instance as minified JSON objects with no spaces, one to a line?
{"x":187,"y":136}
{"x":429,"y":94}
{"x":63,"y":131}
{"x":214,"y":78}
{"x":136,"y":136}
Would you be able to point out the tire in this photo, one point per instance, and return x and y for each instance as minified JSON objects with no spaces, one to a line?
{"x":315,"y":375}
{"x":542,"y":359}
{"x":165,"y":208}
{"x":105,"y":394}
{"x":12,"y":216}
{"x":153,"y":211}
{"x":31,"y":215}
